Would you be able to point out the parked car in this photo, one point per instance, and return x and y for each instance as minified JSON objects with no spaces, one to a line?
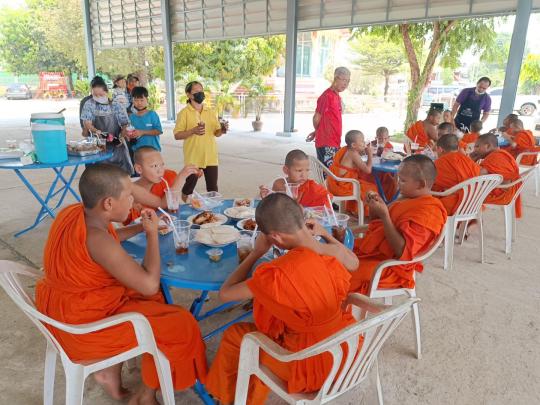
{"x":440,"y":94}
{"x":524,"y":104}
{"x":18,"y":91}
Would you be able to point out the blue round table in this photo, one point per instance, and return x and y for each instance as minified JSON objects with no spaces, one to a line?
{"x":384,"y":167}
{"x":59,"y":179}
{"x":194,"y":270}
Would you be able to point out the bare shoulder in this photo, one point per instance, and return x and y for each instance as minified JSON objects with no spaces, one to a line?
{"x":99,"y":242}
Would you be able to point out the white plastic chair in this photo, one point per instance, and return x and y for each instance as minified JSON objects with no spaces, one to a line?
{"x":76,"y":373}
{"x":524,"y":168}
{"x":509,"y":209}
{"x":474,"y":191}
{"x":356,"y":366}
{"x":318,"y":170}
{"x":388,"y":293}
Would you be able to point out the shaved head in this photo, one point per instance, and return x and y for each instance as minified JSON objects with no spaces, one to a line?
{"x":421,"y":168}
{"x":434,"y":112}
{"x":476,"y":126}
{"x":279,"y":213}
{"x":294,"y":155}
{"x":142,"y":152}
{"x":516,"y":123}
{"x":488,"y":139}
{"x":445,"y":128}
{"x":352,"y":136}
{"x":448,"y":143}
{"x":100,"y":181}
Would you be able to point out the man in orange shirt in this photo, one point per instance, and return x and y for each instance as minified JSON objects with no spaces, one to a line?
{"x":424,"y":133}
{"x":297,"y":301}
{"x":453,"y":167}
{"x":497,"y":161}
{"x":521,"y":140}
{"x":89,"y":277}
{"x":348,"y":164}
{"x":402,"y":230}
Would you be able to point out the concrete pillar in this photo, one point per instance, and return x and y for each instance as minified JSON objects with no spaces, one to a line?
{"x":168,"y":59}
{"x":88,"y":39}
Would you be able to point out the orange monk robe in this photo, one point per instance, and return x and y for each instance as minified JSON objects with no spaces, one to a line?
{"x":339,"y":188}
{"x":312,"y":194}
{"x":467,"y":139}
{"x":525,"y":142}
{"x":77,"y":290}
{"x":297,"y":302}
{"x":453,"y":168}
{"x":417,"y":134}
{"x":420,"y":221}
{"x":156,"y":189}
{"x":501,"y":162}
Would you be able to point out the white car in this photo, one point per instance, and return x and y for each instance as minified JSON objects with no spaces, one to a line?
{"x":524,"y":104}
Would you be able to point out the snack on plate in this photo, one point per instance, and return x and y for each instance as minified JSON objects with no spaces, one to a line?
{"x":242,"y":202}
{"x":217,"y":235}
{"x":389,"y":155}
{"x":240,"y":212}
{"x":164,"y":228}
{"x":250,"y":224}
{"x":205,"y":217}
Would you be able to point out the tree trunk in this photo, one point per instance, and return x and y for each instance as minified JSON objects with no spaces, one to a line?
{"x":419,"y":80}
{"x":386,"y":84}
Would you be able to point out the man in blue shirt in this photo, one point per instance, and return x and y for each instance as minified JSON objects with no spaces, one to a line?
{"x":146,"y":123}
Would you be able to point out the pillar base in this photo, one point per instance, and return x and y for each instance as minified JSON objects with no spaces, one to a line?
{"x":284,"y":134}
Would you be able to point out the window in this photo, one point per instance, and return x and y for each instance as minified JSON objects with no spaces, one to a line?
{"x":303,"y":55}
{"x":324,"y":53}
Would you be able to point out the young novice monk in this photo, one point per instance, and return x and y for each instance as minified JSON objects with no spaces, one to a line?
{"x":348,"y":164}
{"x":297,"y":301}
{"x":154,"y":180}
{"x":296,"y":169}
{"x":497,"y":161}
{"x":453,"y":167}
{"x":382,"y":140}
{"x":521,"y":140}
{"x":90,"y":277}
{"x":388,"y":180}
{"x":466,"y":143}
{"x":402,"y":230}
{"x":445,"y":128}
{"x":424,"y":133}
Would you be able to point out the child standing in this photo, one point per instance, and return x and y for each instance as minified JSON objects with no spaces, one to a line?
{"x":146,"y":122}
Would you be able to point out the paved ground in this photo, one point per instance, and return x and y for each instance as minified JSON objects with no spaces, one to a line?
{"x":480,"y":322}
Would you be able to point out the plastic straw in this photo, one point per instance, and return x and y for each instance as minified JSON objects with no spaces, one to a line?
{"x":166,"y":184}
{"x":172,"y":223}
{"x":253,"y":236}
{"x":289,"y":192}
{"x":332,"y":210}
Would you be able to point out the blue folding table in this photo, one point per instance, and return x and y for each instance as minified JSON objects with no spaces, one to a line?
{"x":63,"y":182}
{"x":380,"y":167}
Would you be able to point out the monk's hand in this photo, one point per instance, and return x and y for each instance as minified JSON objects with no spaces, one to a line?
{"x":377,"y":207}
{"x":310,"y":137}
{"x":262,"y":245}
{"x":264,"y":191}
{"x":316,"y":228}
{"x":150,"y":221}
{"x":188,"y":170}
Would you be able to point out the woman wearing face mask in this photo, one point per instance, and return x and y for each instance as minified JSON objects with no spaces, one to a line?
{"x":198,"y":126}
{"x":470,"y":102}
{"x":107,"y":119}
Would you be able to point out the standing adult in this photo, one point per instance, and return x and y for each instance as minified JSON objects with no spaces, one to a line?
{"x":470,"y":103}
{"x":327,"y":118}
{"x":108,"y":119}
{"x":198,"y":126}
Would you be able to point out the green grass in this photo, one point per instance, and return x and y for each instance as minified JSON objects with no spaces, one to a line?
{"x":398,"y":137}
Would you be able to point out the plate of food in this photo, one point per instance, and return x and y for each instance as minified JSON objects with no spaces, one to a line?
{"x":206,"y":201}
{"x":243,"y":202}
{"x":247,"y":224}
{"x":240,"y":212}
{"x":392,"y":157}
{"x":207,"y":219}
{"x":217,"y":236}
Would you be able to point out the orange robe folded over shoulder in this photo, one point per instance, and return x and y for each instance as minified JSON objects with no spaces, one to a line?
{"x":340,"y":188}
{"x":469,"y":138}
{"x":525,"y":142}
{"x":420,"y":221}
{"x":77,"y":290}
{"x":312,"y":194}
{"x":417,"y":134}
{"x":452,"y":169}
{"x":501,"y":162}
{"x":157,"y":189}
{"x":297,"y":302}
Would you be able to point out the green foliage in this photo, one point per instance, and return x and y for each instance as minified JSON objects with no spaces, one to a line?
{"x":82,"y":88}
{"x":257,"y":95}
{"x":155,"y":98}
{"x":530,"y":74}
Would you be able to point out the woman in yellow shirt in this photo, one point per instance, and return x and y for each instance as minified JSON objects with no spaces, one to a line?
{"x":198,"y":126}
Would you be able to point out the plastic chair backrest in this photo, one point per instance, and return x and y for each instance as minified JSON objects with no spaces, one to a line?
{"x":356,"y":364}
{"x":10,"y":282}
{"x":317,"y":172}
{"x":474,"y":192}
{"x":535,"y":152}
{"x":522,"y":181}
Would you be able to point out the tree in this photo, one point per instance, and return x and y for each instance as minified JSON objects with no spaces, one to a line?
{"x":377,"y":56}
{"x":424,"y":43}
{"x":530,"y":74}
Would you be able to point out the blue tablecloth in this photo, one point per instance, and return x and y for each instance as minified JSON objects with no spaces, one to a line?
{"x":384,"y":167}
